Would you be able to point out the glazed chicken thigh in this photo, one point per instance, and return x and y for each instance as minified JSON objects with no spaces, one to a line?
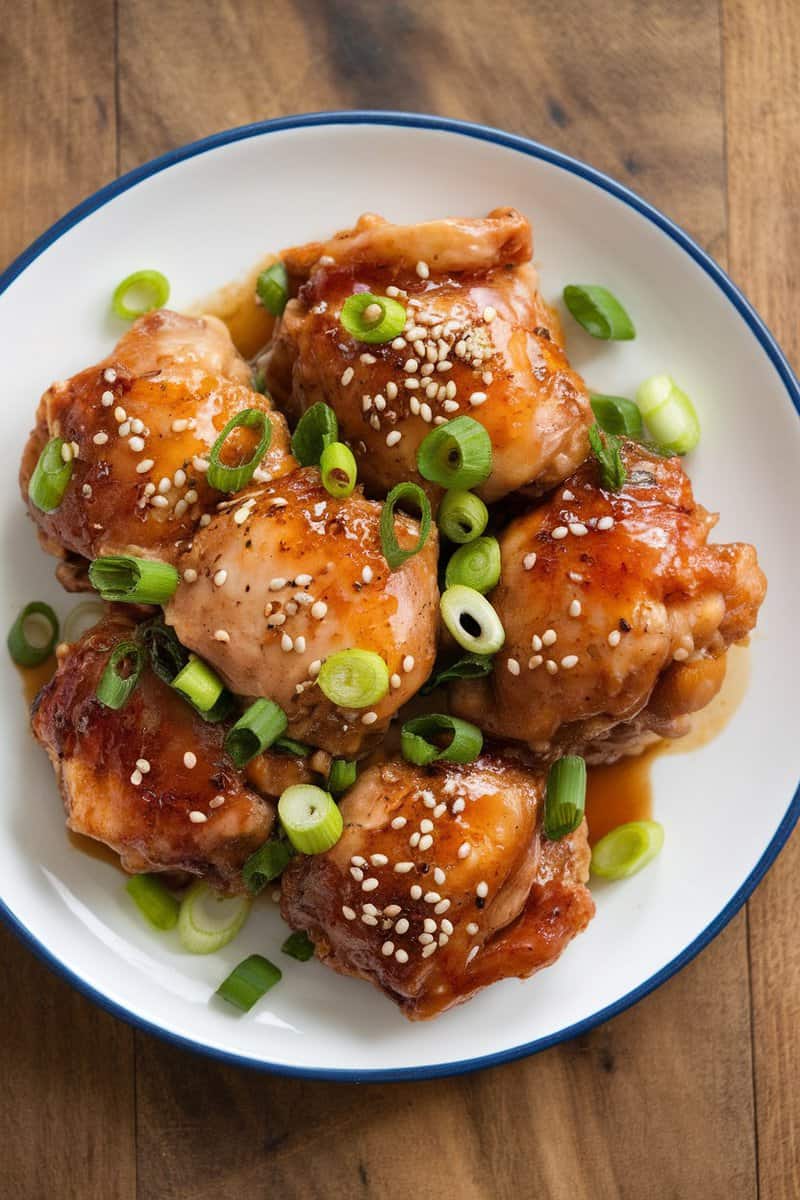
{"x":152,"y":779}
{"x":285,"y":576}
{"x":441,"y":883}
{"x":478,"y":341}
{"x":141,"y":424}
{"x":617,"y":615}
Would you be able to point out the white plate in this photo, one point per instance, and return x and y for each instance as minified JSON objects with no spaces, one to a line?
{"x":204,"y":214}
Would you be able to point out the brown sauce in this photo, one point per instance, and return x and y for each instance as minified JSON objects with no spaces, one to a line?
{"x":249,"y":325}
{"x":98,"y":850}
{"x":34,"y":678}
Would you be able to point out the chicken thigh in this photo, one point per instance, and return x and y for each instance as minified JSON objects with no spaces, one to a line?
{"x":141,"y":424}
{"x":442,"y":882}
{"x":617,"y":615}
{"x":478,"y":341}
{"x":151,"y":779}
{"x":285,"y":576}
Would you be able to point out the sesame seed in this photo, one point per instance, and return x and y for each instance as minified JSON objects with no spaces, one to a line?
{"x":136,"y":444}
{"x":277,"y":583}
{"x":410,"y":366}
{"x":536,"y":642}
{"x":399,"y":822}
{"x":161,"y":502}
{"x":681,"y":654}
{"x":366,"y":574}
{"x":472,"y":929}
{"x":368,"y":919}
{"x":529,"y":561}
{"x":605,"y":523}
{"x":477,"y":398}
{"x":413,"y":404}
{"x":221,"y":635}
{"x":482,"y":889}
{"x":205,"y":520}
{"x":399,"y":343}
{"x":149,"y":488}
{"x":392,"y":910}
{"x":358,"y":861}
{"x":180,"y":425}
{"x":347,"y":375}
{"x":216,"y":802}
{"x":391,"y":390}
{"x":411,"y":385}
{"x":415,"y":891}
{"x":380,"y":403}
{"x":220,"y":577}
{"x":551,"y":666}
{"x":425,"y":410}
{"x":535,"y":661}
{"x":425,"y":939}
{"x":513,"y":666}
{"x":66,"y":452}
{"x":426,"y":826}
{"x":109,"y":375}
{"x":402,"y":868}
{"x":395,"y":681}
{"x":315,"y":667}
{"x":241,"y":514}
{"x":487,"y":377}
{"x":318,"y":610}
{"x":413,"y":841}
{"x":86,"y":490}
{"x":472,"y":954}
{"x":189,"y":760}
{"x":575,"y":608}
{"x":549,"y":637}
{"x":489,"y":314}
{"x":426,"y":842}
{"x":276,"y":620}
{"x":432,"y":897}
{"x":464,"y":850}
{"x":369,"y":885}
{"x":287,"y":643}
{"x":444,"y":938}
{"x":378,"y":860}
{"x":200,"y":464}
{"x":578,"y":529}
{"x":369,"y":718}
{"x":136,"y":777}
{"x":559,"y":532}
{"x":180,"y":508}
{"x":422,"y":269}
{"x":393,"y":438}
{"x":451,"y":406}
{"x":279,"y":502}
{"x":569,"y":661}
{"x":439,"y":810}
{"x":357,"y":874}
{"x":144,"y":466}
{"x":367,"y":358}
{"x":401,"y":926}
{"x":366,"y":403}
{"x":401,"y":955}
{"x":429,"y":950}
{"x":348,"y":913}
{"x":408,"y":663}
{"x":459,"y":804}
{"x":100,"y":438}
{"x":442,"y":906}
{"x":107,"y":399}
{"x":387,"y":948}
{"x":197,"y":818}
{"x":614,"y":637}
{"x":444,"y":365}
{"x":300,"y":644}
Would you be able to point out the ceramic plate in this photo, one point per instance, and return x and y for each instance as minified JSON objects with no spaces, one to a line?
{"x":203,"y":215}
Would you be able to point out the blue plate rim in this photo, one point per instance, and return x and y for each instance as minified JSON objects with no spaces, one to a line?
{"x":771,"y":348}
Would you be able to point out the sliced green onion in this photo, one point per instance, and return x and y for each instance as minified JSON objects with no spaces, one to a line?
{"x":207,"y":921}
{"x":626,"y":849}
{"x":469,"y":666}
{"x":606,"y":448}
{"x":338,"y":470}
{"x":249,"y":981}
{"x":471,"y":620}
{"x":201,"y":686}
{"x":114,"y":690}
{"x":290,"y":746}
{"x":462,"y":516}
{"x":457,"y":454}
{"x":151,"y":288}
{"x":153,"y":900}
{"x":258,"y":382}
{"x":310,"y":818}
{"x":232,"y":479}
{"x":372,"y":318}
{"x":257,"y":729}
{"x":476,"y":565}
{"x":167,"y":656}
{"x":316,"y":429}
{"x":50,"y":476}
{"x":299,"y":946}
{"x":466,"y":741}
{"x":670,"y":415}
{"x":133,"y":580}
{"x":342,"y":776}
{"x":268,"y":862}
{"x":565,"y":800}
{"x":599,"y":312}
{"x":272,"y":288}
{"x":354,"y":678}
{"x":616,"y":414}
{"x":82,"y":617}
{"x":24,"y":652}
{"x":403,"y":492}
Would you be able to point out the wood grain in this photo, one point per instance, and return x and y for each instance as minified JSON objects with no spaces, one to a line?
{"x":762,"y":105}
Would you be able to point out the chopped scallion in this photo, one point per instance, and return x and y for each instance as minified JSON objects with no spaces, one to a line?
{"x":153,"y":900}
{"x":464,"y":746}
{"x":201,"y":686}
{"x":565,"y":800}
{"x":338,"y":469}
{"x":299,"y":946}
{"x":606,"y":448}
{"x":372,"y":318}
{"x":462,"y":516}
{"x":599,"y":312}
{"x":670,"y":415}
{"x":457,"y":454}
{"x":272,"y":289}
{"x":476,"y":565}
{"x":51,"y":475}
{"x":207,"y":921}
{"x":316,"y":429}
{"x":616,"y":414}
{"x":114,"y":689}
{"x":354,"y":678}
{"x":626,"y":849}
{"x":133,"y":580}
{"x":260,"y":725}
{"x":342,"y":776}
{"x":232,"y":478}
{"x":471,"y":620}
{"x":150,"y":287}
{"x":412,"y":493}
{"x":266,"y":864}
{"x":249,"y":981}
{"x":25,"y":652}
{"x":469,"y":666}
{"x":310,"y":817}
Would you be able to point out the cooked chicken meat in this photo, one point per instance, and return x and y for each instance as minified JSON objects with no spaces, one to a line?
{"x":617,"y":614}
{"x":142,"y":423}
{"x":285,"y":576}
{"x":478,"y":341}
{"x":441,"y":883}
{"x":151,"y":779}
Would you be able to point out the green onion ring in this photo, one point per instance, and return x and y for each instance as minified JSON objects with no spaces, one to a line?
{"x":457,"y":454}
{"x":299,"y":945}
{"x":371,"y":318}
{"x":155,"y":903}
{"x":464,"y":746}
{"x":462,"y":516}
{"x":133,"y":580}
{"x":266,"y":864}
{"x":51,"y":475}
{"x":338,"y":470}
{"x":272,"y":289}
{"x":408,"y":493}
{"x":599,"y":312}
{"x":354,"y":678}
{"x":153,"y":284}
{"x":476,"y":565}
{"x":471,"y":620}
{"x":24,"y":652}
{"x":316,"y":429}
{"x":232,"y":479}
{"x":670,"y":415}
{"x":114,"y":690}
{"x":310,"y":818}
{"x":342,"y":776}
{"x":626,"y":849}
{"x":565,"y":799}
{"x":207,"y":921}
{"x":249,"y":981}
{"x":256,"y":729}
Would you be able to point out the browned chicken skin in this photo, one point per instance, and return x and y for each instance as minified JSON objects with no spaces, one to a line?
{"x":146,"y":815}
{"x":144,"y":420}
{"x":615,"y":611}
{"x":478,"y":341}
{"x":271,"y":596}
{"x":441,"y":883}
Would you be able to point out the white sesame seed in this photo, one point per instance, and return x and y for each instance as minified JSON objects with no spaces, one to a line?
{"x":357,"y":860}
{"x":160,"y":501}
{"x":109,"y":375}
{"x":472,"y":954}
{"x":413,"y":404}
{"x":107,"y":399}
{"x":451,"y":406}
{"x":487,"y":377}
{"x":380,"y":403}
{"x":369,"y":718}
{"x":459,"y":804}
{"x":287,"y":643}
{"x":681,"y":654}
{"x":472,"y":929}
{"x":426,"y":938}
{"x":426,"y":842}
{"x":319,"y":610}
{"x":220,"y":577}
{"x":442,"y":906}
{"x":402,"y":868}
{"x":575,"y":608}
{"x":277,"y":583}
{"x":411,"y":385}
{"x":100,"y":438}
{"x":348,"y":913}
{"x":551,"y":666}
{"x":276,"y":620}
{"x":482,"y":889}
{"x":136,"y":777}
{"x":136,"y":444}
{"x":197,"y":818}
{"x":432,"y":897}
{"x":392,"y":910}
{"x":425,"y":410}
{"x":399,"y":822}
{"x":444,"y":365}
{"x":535,"y":661}
{"x":366,"y":403}
{"x":164,"y":485}
{"x":149,"y":488}
{"x":180,"y":425}
{"x":205,"y":520}
{"x":221,"y":635}
{"x":216,"y":802}
{"x":560,"y":532}
{"x":401,"y":926}
{"x":444,"y":938}
{"x":426,"y":826}
{"x":144,"y":466}
{"x":367,"y":358}
{"x":411,"y":366}
{"x":368,"y":919}
{"x":415,"y":891}
{"x":393,"y":438}
{"x":241,"y":514}
{"x":357,"y":874}
{"x":304,"y":580}
{"x":422,"y":269}
{"x":378,"y":860}
{"x":513,"y":666}
{"x":347,"y":376}
{"x":605,"y":523}
{"x":477,"y":398}
{"x":395,"y":681}
{"x":387,"y":949}
{"x":399,"y":343}
{"x":578,"y":529}
{"x":614,"y":637}
{"x":413,"y":841}
{"x":391,"y":390}
{"x":529,"y":561}
{"x":300,"y":644}
{"x":401,"y":955}
{"x":189,"y":760}
{"x":408,"y":663}
{"x":429,"y":950}
{"x":439,"y":875}
{"x":549,"y":637}
{"x":440,"y":420}
{"x":279,"y":502}
{"x":439,"y":810}
{"x":464,"y":850}
{"x":489,"y":314}
{"x":369,"y":885}
{"x":180,"y":508}
{"x":315,"y":667}
{"x":86,"y":490}
{"x":536,"y":642}
{"x":392,"y":290}
{"x":124,"y":429}
{"x":569,"y":661}
{"x":66,"y":452}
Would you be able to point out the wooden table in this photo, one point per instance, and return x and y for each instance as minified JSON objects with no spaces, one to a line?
{"x":693,"y":1093}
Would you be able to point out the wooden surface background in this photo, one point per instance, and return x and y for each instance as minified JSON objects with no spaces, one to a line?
{"x":693,"y":1093}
